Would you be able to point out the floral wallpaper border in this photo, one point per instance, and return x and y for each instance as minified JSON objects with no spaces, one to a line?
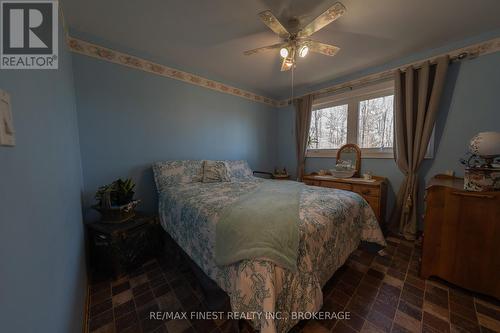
{"x":100,"y":52}
{"x":96,"y":51}
{"x":471,"y":52}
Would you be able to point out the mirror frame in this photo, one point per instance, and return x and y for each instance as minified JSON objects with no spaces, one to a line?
{"x":357,"y":150}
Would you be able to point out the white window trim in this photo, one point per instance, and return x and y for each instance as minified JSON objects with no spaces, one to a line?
{"x":352,"y":98}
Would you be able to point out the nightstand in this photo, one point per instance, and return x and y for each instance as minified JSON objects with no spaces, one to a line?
{"x":116,"y":248}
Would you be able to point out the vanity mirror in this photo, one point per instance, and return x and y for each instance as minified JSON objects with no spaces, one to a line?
{"x":350,"y":154}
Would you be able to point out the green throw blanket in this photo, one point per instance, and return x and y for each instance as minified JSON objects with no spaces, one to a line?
{"x":261,"y":224}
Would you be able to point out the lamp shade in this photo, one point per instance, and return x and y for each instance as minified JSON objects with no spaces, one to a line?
{"x":486,"y":144}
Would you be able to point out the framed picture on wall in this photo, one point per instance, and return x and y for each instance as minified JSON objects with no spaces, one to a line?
{"x":6,"y":123}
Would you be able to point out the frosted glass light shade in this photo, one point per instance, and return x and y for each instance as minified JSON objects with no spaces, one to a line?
{"x":303,"y":51}
{"x":486,"y":144}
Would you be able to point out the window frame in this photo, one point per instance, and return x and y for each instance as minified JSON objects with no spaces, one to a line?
{"x":352,"y":98}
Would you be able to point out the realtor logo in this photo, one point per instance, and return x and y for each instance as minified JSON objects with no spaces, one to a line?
{"x":29,"y":31}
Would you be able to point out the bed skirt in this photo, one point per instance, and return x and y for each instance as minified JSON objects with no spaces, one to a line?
{"x":215,"y":298}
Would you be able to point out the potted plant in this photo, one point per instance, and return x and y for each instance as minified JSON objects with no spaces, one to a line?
{"x":115,"y":201}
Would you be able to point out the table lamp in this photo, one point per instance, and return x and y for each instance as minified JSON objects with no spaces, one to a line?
{"x":481,"y":172}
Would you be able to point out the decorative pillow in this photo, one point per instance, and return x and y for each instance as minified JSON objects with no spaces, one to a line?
{"x":239,"y":170}
{"x":170,"y":173}
{"x":215,"y":172}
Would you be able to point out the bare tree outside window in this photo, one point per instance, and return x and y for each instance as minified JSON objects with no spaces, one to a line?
{"x":328,"y":128}
{"x":375,"y":129}
{"x":364,"y":116}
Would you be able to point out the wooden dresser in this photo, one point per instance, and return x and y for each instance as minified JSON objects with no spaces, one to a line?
{"x":462,"y":236}
{"x":374,"y":191}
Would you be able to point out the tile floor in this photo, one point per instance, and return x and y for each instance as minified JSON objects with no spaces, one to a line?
{"x":383,"y":294}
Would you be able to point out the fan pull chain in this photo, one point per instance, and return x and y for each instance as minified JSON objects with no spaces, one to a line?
{"x":293,"y":68}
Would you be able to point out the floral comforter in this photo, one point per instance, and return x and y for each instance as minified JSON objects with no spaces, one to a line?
{"x":332,"y":223}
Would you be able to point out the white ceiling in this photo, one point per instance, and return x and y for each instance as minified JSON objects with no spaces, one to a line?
{"x":207,"y":37}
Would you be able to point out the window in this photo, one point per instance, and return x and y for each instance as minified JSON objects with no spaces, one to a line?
{"x":375,"y":126}
{"x":363,"y":116}
{"x":328,"y":127}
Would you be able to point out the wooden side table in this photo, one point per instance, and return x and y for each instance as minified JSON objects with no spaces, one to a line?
{"x":116,"y":248}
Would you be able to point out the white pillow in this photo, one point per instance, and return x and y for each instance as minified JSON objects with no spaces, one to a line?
{"x":239,"y":170}
{"x":171,"y":173}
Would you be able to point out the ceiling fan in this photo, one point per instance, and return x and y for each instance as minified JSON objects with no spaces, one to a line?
{"x":298,"y":42}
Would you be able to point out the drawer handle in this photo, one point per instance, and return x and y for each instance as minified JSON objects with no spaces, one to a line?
{"x":365,"y":192}
{"x":474,"y":195}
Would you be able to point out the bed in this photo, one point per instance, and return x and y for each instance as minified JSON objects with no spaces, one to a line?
{"x":332,"y":224}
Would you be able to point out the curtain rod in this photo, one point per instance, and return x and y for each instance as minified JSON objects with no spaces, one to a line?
{"x":468,"y":52}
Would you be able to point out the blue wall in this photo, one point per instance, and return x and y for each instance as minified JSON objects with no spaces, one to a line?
{"x":42,"y":266}
{"x":469,"y":105}
{"x":129,"y":119}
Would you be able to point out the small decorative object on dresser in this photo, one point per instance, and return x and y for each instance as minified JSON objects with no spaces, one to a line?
{"x":482,"y":169}
{"x":281,"y":177}
{"x":117,"y":248}
{"x":372,"y":190}
{"x":461,"y":236}
{"x":280,"y":174}
{"x":115,"y":201}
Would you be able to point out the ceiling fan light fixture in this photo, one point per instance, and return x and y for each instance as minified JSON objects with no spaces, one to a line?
{"x":284,"y":52}
{"x":288,"y":64}
{"x":304,"y":50}
{"x":299,"y":43}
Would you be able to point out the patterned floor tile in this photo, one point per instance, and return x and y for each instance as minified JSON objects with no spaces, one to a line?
{"x":437,"y":310}
{"x":178,"y":326}
{"x":122,"y":297}
{"x":314,"y":326}
{"x":489,"y":322}
{"x":410,"y":310}
{"x":435,"y":323}
{"x":382,"y":293}
{"x":409,"y":323}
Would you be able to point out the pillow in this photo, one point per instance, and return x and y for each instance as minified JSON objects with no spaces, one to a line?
{"x":170,"y":173}
{"x":215,"y":172}
{"x":239,"y":170}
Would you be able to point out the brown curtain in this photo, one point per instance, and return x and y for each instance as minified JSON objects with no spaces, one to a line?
{"x":418,"y":91}
{"x":303,"y":110}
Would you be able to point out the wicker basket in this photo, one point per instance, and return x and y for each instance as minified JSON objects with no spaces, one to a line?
{"x":117,"y":214}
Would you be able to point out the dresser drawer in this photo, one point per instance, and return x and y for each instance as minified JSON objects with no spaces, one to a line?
{"x":373,"y":191}
{"x":339,"y":186}
{"x":311,"y":182}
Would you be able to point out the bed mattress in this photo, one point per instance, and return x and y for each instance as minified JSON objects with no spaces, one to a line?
{"x":332,"y":223}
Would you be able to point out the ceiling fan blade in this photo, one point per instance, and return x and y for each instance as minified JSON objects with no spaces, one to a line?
{"x":330,"y":15}
{"x":322,"y":48}
{"x":265,"y":48}
{"x":273,"y":23}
